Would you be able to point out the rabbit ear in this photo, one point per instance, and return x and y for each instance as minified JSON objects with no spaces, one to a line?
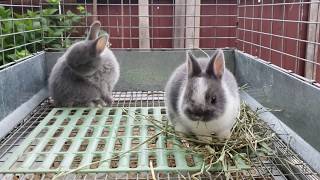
{"x":216,"y":65}
{"x":100,"y":44}
{"x":94,"y":30}
{"x":193,"y":66}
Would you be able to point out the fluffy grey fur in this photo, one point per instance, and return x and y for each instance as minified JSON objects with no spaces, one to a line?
{"x":86,"y":73}
{"x":197,"y":92}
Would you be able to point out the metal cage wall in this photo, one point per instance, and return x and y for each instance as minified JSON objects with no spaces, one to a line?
{"x":283,"y":33}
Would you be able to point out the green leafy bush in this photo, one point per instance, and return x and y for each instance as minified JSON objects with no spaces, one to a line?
{"x":56,"y":27}
{"x":24,"y":34}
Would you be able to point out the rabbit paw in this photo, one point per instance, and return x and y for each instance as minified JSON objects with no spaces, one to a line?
{"x":91,"y":104}
{"x":224,"y":134}
{"x":108,"y":100}
{"x":206,"y":139}
{"x":68,"y":104}
{"x":100,"y":102}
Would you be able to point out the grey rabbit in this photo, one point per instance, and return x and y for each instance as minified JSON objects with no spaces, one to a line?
{"x":86,"y":73}
{"x":202,"y":97}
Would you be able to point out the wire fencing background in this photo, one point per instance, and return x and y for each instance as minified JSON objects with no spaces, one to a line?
{"x":168,"y":23}
{"x":285,"y":33}
{"x":20,"y":30}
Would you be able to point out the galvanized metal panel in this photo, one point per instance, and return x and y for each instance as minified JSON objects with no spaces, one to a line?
{"x":287,"y":135}
{"x":20,"y":82}
{"x":277,"y":89}
{"x":146,"y":70}
{"x":20,"y":113}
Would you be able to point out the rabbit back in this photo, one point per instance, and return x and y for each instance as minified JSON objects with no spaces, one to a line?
{"x":70,"y":89}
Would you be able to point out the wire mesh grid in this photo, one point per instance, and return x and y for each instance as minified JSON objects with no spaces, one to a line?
{"x":285,"y":33}
{"x":20,"y":31}
{"x":158,"y":24}
{"x":285,"y":165}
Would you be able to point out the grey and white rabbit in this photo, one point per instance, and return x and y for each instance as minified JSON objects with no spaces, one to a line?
{"x":86,"y":73}
{"x":202,"y":97}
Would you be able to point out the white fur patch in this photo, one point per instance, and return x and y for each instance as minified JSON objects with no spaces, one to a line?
{"x":220,"y":126}
{"x":199,"y":91}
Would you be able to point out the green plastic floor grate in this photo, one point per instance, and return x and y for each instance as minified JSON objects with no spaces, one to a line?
{"x":71,"y":137}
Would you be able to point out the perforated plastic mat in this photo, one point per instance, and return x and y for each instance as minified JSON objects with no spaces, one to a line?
{"x":268,"y":168}
{"x":71,"y":137}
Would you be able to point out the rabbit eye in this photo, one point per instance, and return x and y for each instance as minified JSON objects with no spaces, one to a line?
{"x":213,"y":99}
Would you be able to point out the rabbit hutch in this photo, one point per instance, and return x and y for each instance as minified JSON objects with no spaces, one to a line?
{"x":272,"y":48}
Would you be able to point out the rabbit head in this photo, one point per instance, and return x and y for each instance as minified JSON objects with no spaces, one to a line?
{"x":84,"y":56}
{"x":204,"y":96}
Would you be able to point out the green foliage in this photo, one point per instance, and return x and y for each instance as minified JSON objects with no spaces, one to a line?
{"x":24,"y":34}
{"x":57,"y":28}
{"x":20,"y":54}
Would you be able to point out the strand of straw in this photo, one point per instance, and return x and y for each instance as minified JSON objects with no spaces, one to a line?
{"x":204,"y":53}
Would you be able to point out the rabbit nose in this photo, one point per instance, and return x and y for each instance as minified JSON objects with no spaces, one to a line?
{"x":206,"y":112}
{"x":202,"y":113}
{"x":196,"y":112}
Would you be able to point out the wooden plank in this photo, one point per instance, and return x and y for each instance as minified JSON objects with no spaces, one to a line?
{"x":179,"y":23}
{"x":193,"y":24}
{"x":313,"y":36}
{"x":94,"y":10}
{"x":144,"y":34}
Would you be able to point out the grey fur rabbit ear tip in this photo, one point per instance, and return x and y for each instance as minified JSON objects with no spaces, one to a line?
{"x":107,"y":36}
{"x":96,"y":23}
